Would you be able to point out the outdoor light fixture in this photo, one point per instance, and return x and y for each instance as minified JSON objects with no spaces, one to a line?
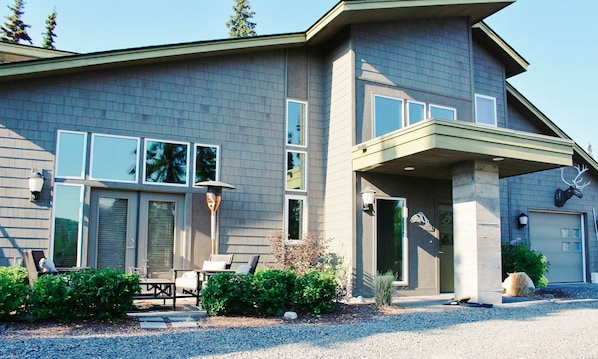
{"x":213,"y":198}
{"x":36,"y":184}
{"x":522,"y":220}
{"x":367,"y":197}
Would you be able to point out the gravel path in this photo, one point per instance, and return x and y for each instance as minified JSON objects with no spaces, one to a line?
{"x":559,"y":328}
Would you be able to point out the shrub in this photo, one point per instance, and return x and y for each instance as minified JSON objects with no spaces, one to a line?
{"x":383,"y":288}
{"x":49,"y":299}
{"x":315,"y":292}
{"x":518,"y":257}
{"x":14,"y":288}
{"x":102,"y":293}
{"x":299,"y":256}
{"x":272,"y":291}
{"x":228,"y":294}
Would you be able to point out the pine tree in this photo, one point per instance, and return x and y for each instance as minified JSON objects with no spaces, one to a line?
{"x":49,"y":35}
{"x":239,"y":24}
{"x":15,"y":30}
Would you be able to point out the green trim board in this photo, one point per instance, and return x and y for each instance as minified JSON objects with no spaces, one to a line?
{"x":433,"y":147}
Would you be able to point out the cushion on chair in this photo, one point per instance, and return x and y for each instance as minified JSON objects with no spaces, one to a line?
{"x":47,"y":265}
{"x":187,"y":281}
{"x":244,"y":269}
{"x":213,"y":265}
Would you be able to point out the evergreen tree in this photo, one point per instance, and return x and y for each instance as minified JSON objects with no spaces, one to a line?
{"x":240,"y":24}
{"x":49,"y":35}
{"x":15,"y":30}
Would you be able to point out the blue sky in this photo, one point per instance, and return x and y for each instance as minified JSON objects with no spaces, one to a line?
{"x":558,"y":38}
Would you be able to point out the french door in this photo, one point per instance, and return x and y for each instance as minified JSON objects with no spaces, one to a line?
{"x":133,"y":229}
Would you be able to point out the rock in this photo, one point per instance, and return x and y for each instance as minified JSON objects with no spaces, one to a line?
{"x":290,"y":315}
{"x":518,"y":284}
{"x":357,"y":300}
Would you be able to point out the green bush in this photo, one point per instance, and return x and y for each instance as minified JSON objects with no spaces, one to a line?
{"x":228,"y":294}
{"x":383,"y":288}
{"x":14,"y":288}
{"x":272,"y":289}
{"x":518,"y":257}
{"x":49,"y":299}
{"x":102,"y":293}
{"x":315,"y":292}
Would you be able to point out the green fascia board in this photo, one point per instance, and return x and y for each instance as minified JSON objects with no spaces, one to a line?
{"x":145,"y":55}
{"x":514,"y":63}
{"x":465,"y":138}
{"x":31,"y":51}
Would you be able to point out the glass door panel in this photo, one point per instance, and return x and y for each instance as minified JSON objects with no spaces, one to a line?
{"x":390,"y":237}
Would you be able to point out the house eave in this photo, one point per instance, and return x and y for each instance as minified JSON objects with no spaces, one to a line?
{"x":433,"y":148}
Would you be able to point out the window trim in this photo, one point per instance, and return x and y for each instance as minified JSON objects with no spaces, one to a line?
{"x":408,"y":117}
{"x":305,"y":138}
{"x":495,"y":112}
{"x":186,"y":184}
{"x":286,"y":166}
{"x":195,"y":145}
{"x":304,"y":219}
{"x":402,"y":124}
{"x":80,"y":222}
{"x":84,"y":155}
{"x":405,"y":281}
{"x":431,"y":105}
{"x":91,"y":152}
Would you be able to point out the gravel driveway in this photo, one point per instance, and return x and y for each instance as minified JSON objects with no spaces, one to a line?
{"x":557,"y":328}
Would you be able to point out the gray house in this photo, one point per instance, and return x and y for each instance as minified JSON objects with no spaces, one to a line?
{"x":406,"y":101}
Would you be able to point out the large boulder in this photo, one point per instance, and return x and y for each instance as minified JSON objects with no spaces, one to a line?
{"x":518,"y":284}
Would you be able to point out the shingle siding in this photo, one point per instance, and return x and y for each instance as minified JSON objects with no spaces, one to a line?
{"x":489,"y":80}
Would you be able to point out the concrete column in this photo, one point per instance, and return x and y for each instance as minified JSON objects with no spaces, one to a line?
{"x":476,"y":226}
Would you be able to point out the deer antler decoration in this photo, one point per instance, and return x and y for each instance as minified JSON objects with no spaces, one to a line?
{"x":575,"y":187}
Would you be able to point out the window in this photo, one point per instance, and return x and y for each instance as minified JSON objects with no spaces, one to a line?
{"x":71,"y":150}
{"x":296,"y":216}
{"x":206,"y":163}
{"x":416,"y":112}
{"x":443,"y":113}
{"x":391,"y":239}
{"x":114,"y":158}
{"x":67,"y":219}
{"x":485,"y":110}
{"x":296,"y":170}
{"x":388,"y":115}
{"x":166,"y":163}
{"x":296,"y":123}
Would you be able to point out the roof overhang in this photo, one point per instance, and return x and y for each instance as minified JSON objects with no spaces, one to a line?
{"x":434,"y":147}
{"x":17,"y":52}
{"x":513,"y":62}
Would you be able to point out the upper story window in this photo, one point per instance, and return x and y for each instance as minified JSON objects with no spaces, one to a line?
{"x":71,"y":152}
{"x":296,"y":170}
{"x":388,"y":114}
{"x":114,"y":158}
{"x":166,"y":163}
{"x":206,"y":163}
{"x":485,"y":110}
{"x":442,"y":112}
{"x":416,"y":112}
{"x":296,"y":123}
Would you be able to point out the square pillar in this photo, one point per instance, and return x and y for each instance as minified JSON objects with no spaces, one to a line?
{"x":476,"y":230}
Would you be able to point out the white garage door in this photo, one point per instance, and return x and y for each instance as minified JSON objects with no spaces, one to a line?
{"x":559,"y":237}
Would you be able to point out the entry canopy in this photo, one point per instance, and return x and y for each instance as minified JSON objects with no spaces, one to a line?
{"x":431,"y":148}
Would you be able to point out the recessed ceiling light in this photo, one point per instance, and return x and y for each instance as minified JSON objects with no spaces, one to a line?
{"x":498,"y":159}
{"x":409,"y":168}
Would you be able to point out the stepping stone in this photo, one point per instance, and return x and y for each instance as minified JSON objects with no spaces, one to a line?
{"x":184,"y":325}
{"x":153,"y":325}
{"x":151,"y":319}
{"x":181,"y":319}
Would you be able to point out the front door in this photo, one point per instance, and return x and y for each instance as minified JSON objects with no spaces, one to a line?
{"x":446,"y":254}
{"x":132,"y":229}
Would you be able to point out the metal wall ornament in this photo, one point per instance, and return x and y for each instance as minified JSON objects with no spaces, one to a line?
{"x":575,"y":187}
{"x":424,"y":223}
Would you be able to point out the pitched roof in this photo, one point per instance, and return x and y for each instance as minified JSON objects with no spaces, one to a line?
{"x":343,"y":14}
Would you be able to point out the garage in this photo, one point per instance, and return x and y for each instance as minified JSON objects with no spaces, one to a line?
{"x":560,"y":237}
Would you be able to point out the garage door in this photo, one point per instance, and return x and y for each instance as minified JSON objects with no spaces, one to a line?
{"x":559,"y":237}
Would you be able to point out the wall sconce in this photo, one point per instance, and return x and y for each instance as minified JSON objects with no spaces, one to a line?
{"x":367,"y":197}
{"x":36,"y":184}
{"x":522,"y":220}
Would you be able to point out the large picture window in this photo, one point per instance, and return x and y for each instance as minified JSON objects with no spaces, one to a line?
{"x":388,"y":115}
{"x":114,"y":158}
{"x":485,"y":110}
{"x":296,"y":123}
{"x":296,"y":216}
{"x":206,"y":163}
{"x":166,"y":163}
{"x":68,"y":215}
{"x":391,"y":239}
{"x":296,"y":170}
{"x":71,"y":152}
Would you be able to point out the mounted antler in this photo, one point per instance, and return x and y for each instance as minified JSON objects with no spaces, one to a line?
{"x":575,"y":188}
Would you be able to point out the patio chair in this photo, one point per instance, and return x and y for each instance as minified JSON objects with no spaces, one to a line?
{"x":190,"y":281}
{"x":33,"y":263}
{"x":250,"y":267}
